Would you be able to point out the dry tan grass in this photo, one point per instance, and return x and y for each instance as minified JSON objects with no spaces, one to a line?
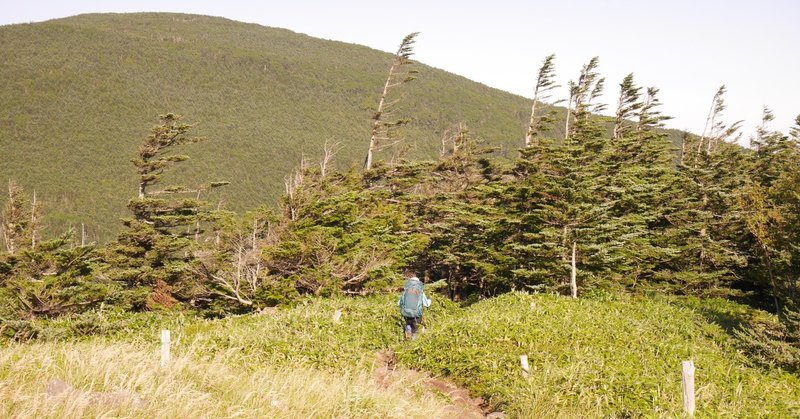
{"x":125,"y":380}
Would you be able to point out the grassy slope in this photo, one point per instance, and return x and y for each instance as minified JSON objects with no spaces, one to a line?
{"x":588,"y":358}
{"x":79,"y":94}
{"x":592,"y":358}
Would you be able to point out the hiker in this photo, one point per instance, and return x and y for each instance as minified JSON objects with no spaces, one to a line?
{"x":412,"y":301}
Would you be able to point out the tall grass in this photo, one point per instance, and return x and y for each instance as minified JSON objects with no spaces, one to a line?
{"x":125,"y":380}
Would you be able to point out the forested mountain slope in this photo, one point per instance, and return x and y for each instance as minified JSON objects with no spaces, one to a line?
{"x":79,"y":94}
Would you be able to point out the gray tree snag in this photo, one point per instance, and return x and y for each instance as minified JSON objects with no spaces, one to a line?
{"x":292,"y":184}
{"x":34,"y":220}
{"x":329,"y":152}
{"x":399,"y":74}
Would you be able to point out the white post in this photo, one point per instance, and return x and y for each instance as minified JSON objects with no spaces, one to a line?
{"x":337,"y":316}
{"x":523,"y":362}
{"x":164,"y":347}
{"x":688,"y":386}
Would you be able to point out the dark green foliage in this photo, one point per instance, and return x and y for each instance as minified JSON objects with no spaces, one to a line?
{"x":566,"y":210}
{"x":343,"y":237}
{"x":639,"y":183}
{"x":769,"y":205}
{"x":51,"y":280}
{"x":43,"y":278}
{"x":627,"y":105}
{"x":771,"y":344}
{"x":707,"y":225}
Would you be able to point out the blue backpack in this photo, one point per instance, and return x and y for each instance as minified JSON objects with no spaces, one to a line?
{"x":411,"y":300}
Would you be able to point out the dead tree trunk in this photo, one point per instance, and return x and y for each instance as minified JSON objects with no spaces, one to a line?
{"x":573,"y":276}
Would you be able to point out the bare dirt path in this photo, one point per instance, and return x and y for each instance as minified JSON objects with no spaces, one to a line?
{"x":462,"y":405}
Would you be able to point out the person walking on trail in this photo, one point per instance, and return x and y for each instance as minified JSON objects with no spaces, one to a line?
{"x":412,"y":302}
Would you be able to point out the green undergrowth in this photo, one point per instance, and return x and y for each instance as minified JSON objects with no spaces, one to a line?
{"x":307,"y":334}
{"x":620,"y":358}
{"x":303,"y":334}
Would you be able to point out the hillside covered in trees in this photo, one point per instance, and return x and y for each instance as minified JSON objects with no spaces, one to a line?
{"x":76,"y":91}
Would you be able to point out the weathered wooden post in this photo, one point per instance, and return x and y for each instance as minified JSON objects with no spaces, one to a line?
{"x":165,"y":347}
{"x":337,"y":316}
{"x":687,"y":368}
{"x":523,"y":362}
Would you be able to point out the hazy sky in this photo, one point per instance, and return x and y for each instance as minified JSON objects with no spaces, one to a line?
{"x":687,"y":48}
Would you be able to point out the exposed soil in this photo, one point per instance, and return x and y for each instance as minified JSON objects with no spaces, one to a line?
{"x":462,"y":405}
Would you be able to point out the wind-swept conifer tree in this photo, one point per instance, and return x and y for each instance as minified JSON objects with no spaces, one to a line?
{"x":541,"y":92}
{"x":627,"y":105}
{"x":401,"y":71}
{"x":708,"y":227}
{"x":152,"y":256}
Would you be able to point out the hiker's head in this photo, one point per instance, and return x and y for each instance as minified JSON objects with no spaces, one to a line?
{"x":409,"y":273}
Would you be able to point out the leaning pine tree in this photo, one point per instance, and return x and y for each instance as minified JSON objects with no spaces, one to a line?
{"x":769,"y":204}
{"x":383,"y":133}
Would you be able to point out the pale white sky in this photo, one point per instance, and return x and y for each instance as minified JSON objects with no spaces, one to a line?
{"x":687,"y":48}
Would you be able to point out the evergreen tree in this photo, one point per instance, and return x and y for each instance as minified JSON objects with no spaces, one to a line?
{"x":639,"y":184}
{"x":567,"y":221}
{"x":457,"y":206}
{"x":153,"y":256}
{"x":627,"y":104}
{"x":20,"y":220}
{"x":769,"y":205}
{"x":708,"y":229}
{"x":47,"y":279}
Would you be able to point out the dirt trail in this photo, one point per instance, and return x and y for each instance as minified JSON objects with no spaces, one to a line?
{"x":462,"y":405}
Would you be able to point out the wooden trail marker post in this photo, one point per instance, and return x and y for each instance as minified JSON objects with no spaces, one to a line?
{"x":687,"y":368}
{"x":523,"y":362}
{"x":165,"y":341}
{"x":337,"y":316}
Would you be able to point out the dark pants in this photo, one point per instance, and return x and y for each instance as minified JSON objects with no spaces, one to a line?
{"x":413,"y":322}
